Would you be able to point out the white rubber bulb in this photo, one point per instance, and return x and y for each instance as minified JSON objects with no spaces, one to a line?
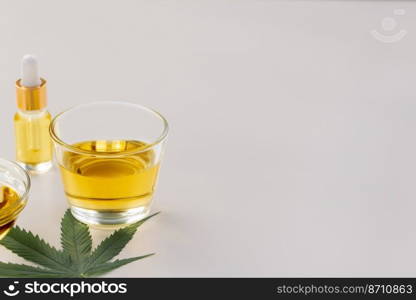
{"x":30,"y":71}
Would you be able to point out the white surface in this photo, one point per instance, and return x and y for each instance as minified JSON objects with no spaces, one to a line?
{"x":292,"y":144}
{"x":30,"y":71}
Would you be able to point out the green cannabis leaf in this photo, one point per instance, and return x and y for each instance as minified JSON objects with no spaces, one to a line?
{"x":76,"y":259}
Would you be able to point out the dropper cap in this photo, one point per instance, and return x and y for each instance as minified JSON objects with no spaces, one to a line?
{"x":31,"y":89}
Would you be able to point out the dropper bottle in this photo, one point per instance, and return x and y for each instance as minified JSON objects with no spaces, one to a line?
{"x":32,"y":120}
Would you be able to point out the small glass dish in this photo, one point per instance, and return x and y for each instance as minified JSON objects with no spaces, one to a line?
{"x":14,"y":190}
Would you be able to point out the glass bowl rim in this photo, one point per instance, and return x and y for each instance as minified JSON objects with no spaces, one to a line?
{"x":26,"y":181}
{"x":73,"y":149}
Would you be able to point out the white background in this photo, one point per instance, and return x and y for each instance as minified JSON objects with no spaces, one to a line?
{"x":292,"y":144}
